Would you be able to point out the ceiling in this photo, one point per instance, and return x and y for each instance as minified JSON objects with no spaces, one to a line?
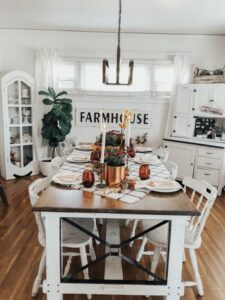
{"x":144,"y":16}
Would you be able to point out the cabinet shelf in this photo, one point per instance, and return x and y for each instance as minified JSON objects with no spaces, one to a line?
{"x":210,"y":116}
{"x":14,"y":125}
{"x":21,"y":144}
{"x":13,"y":105}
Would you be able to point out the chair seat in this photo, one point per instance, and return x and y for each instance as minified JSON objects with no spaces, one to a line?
{"x":159,"y":236}
{"x":72,"y":235}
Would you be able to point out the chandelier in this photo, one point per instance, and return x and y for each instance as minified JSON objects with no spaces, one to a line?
{"x":105,"y":65}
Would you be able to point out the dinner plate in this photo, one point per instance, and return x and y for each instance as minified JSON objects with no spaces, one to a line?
{"x":161,"y":186}
{"x":143,"y":149}
{"x":69,"y":179}
{"x":78,"y":158}
{"x":84,"y":147}
{"x":148,"y":160}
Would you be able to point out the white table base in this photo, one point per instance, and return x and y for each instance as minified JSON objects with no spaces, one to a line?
{"x":55,"y":289}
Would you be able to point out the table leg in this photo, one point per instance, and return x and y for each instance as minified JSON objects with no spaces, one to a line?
{"x":113,"y":266}
{"x":175,"y":258}
{"x":53,"y":268}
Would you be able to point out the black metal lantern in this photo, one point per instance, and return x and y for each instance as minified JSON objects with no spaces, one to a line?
{"x":105,"y":64}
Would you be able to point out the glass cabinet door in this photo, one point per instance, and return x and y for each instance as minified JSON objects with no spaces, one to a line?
{"x":20,"y":123}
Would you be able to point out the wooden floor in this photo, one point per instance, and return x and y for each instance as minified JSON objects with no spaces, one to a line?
{"x":20,"y":251}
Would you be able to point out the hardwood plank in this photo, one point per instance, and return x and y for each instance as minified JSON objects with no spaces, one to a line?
{"x":20,"y":252}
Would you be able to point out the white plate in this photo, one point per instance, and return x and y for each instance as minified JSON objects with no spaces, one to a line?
{"x":160,"y":186}
{"x":148,"y":160}
{"x":78,"y":158}
{"x":69,"y":179}
{"x":84,"y":147}
{"x":143,"y":149}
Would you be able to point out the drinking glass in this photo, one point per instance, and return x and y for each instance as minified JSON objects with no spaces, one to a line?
{"x":88,"y":178}
{"x":144,"y":172}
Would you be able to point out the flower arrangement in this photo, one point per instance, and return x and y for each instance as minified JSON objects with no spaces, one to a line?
{"x":114,"y":148}
{"x":114,"y":156}
{"x":113,"y":138}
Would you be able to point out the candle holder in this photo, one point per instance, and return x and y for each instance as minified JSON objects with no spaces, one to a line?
{"x":101,"y":185}
{"x":127,"y":161}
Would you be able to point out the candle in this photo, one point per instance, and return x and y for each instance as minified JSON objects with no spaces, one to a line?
{"x":122,"y":117}
{"x":103,"y":144}
{"x":128,"y":131}
{"x":101,"y":120}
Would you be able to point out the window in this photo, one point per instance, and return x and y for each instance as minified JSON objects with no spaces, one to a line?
{"x":87,"y":76}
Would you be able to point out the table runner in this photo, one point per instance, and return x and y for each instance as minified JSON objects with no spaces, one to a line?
{"x":158,"y":172}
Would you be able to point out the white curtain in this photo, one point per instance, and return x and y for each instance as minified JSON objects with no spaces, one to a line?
{"x":182,"y":71}
{"x":46,"y":75}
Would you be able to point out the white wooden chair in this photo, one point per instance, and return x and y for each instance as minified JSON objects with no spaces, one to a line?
{"x":205,"y":195}
{"x":161,"y":153}
{"x":172,"y":167}
{"x":71,"y":237}
{"x":57,"y":162}
{"x":173,"y":170}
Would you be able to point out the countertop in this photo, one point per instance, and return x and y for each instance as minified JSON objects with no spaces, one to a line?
{"x":197,"y":141}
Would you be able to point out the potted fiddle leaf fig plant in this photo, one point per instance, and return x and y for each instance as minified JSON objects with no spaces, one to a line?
{"x":57,"y":122}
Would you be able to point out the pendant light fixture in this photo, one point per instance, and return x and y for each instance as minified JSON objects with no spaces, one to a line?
{"x":105,"y":64}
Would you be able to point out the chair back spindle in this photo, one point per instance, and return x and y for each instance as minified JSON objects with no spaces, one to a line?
{"x":203,"y":196}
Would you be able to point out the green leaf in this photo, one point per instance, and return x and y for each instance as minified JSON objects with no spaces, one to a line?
{"x":47,"y":101}
{"x":51,"y":92}
{"x":64,"y":100}
{"x":44,"y":93}
{"x":61,"y":94}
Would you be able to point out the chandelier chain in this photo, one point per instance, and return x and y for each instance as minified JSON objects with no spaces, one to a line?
{"x":119,"y":26}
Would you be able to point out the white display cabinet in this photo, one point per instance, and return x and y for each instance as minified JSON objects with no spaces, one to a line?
{"x":17,"y":148}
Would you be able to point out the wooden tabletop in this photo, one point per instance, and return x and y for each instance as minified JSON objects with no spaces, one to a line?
{"x":56,"y":199}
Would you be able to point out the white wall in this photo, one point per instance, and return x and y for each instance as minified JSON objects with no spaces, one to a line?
{"x":18,"y":50}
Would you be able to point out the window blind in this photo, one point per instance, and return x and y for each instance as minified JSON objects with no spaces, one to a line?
{"x":153,"y":76}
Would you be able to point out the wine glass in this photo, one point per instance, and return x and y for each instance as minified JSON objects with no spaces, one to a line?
{"x":144,"y":172}
{"x":88,"y":178}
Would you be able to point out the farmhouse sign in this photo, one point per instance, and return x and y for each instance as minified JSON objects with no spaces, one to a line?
{"x":91,"y":117}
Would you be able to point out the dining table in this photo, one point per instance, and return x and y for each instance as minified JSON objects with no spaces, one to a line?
{"x":59,"y":203}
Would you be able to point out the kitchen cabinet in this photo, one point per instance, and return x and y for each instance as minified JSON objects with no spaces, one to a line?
{"x":190,"y":98}
{"x":184,"y":96}
{"x":188,"y":102}
{"x":182,"y":125}
{"x":201,"y":96}
{"x":198,"y":161}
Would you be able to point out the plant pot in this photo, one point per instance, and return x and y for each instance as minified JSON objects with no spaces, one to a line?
{"x":115,"y":175}
{"x":46,"y":167}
